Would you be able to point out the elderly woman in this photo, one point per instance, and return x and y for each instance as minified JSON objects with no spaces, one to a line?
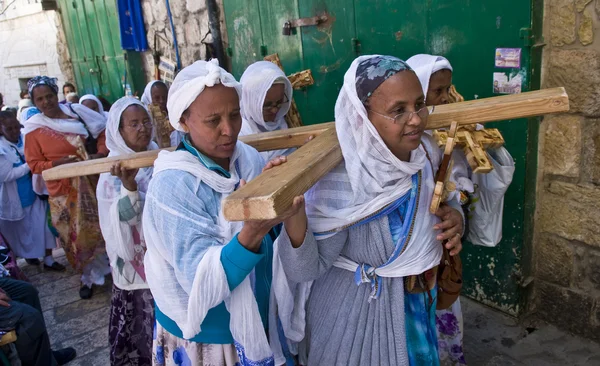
{"x":22,"y":213}
{"x":374,"y":261}
{"x":121,"y":195}
{"x":266,"y":99}
{"x":93,"y":103}
{"x":210,"y":278}
{"x":59,"y":136}
{"x":435,"y":75}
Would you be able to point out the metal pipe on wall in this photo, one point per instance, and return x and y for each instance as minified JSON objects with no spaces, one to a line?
{"x":214,"y":25}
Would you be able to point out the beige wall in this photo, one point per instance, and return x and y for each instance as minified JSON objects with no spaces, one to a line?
{"x":30,"y":44}
{"x":567,"y":238}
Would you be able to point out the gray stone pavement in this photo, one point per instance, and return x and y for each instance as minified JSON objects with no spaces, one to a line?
{"x":491,"y":338}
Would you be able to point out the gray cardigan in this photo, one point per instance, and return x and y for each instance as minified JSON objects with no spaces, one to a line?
{"x":342,"y":327}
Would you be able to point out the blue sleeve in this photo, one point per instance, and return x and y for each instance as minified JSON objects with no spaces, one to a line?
{"x":238,"y":262}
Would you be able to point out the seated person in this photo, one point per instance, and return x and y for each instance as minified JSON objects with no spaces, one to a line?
{"x":20,"y":310}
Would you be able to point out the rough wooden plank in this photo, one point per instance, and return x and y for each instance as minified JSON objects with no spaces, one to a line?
{"x":501,"y":108}
{"x":270,"y":194}
{"x":482,"y":111}
{"x":276,"y":140}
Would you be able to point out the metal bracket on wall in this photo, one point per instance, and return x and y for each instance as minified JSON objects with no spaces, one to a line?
{"x":526,"y":35}
{"x":302,"y":22}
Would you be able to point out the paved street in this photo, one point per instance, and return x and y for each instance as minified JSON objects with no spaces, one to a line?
{"x":491,"y":339}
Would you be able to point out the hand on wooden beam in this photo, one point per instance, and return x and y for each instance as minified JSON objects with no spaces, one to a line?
{"x":270,"y":194}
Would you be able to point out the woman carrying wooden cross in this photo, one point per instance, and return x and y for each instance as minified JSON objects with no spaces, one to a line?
{"x":373,"y":263}
{"x":211,"y":279}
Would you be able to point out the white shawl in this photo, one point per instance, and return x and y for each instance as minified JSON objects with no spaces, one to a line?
{"x":209,"y":287}
{"x":371,"y":176}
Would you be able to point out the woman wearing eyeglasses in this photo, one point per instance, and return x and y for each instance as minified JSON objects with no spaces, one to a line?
{"x":371,"y":272}
{"x":121,"y":195}
{"x":266,"y":96}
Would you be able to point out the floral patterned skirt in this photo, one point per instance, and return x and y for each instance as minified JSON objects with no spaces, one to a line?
{"x":450,"y":328}
{"x":75,"y":218}
{"x":130,"y":327}
{"x":169,"y":350}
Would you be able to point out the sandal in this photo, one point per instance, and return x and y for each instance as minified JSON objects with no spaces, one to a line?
{"x":86,"y":292}
{"x":55,"y":267}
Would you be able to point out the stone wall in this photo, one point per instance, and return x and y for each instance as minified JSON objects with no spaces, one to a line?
{"x":191,"y":28}
{"x":567,"y":238}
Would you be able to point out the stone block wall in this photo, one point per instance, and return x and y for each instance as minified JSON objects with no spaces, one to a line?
{"x":567,"y":228}
{"x":190,"y":18}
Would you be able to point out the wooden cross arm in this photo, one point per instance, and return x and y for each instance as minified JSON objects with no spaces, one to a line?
{"x":271,"y":194}
{"x":276,"y":140}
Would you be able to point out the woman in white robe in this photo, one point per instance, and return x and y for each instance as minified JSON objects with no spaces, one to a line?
{"x":121,"y":194}
{"x":23,"y":215}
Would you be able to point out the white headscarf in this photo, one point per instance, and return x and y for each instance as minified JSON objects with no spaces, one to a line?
{"x":95,"y":99}
{"x":256,"y":82}
{"x":425,"y":65}
{"x":371,"y":176}
{"x":114,"y":141}
{"x":147,"y":96}
{"x":191,"y":81}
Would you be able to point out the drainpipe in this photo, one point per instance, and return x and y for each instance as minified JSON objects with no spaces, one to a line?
{"x":215,"y":29}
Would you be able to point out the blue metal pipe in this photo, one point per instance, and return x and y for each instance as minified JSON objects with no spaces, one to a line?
{"x":174,"y":36}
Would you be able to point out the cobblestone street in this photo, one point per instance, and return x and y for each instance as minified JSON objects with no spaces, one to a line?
{"x":491,"y":339}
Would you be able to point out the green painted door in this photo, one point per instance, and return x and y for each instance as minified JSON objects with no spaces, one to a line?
{"x":467,"y":33}
{"x":101,"y":67}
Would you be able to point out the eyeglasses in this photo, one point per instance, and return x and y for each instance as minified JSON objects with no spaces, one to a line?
{"x":402,"y":118}
{"x":138,"y":126}
{"x":277,"y":105}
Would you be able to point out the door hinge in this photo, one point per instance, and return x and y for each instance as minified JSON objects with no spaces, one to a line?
{"x":356,"y":46}
{"x":229,"y":51}
{"x":263,"y":50}
{"x":526,"y":35}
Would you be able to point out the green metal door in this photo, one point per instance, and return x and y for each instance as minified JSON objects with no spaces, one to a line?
{"x":467,"y":33}
{"x":99,"y":64}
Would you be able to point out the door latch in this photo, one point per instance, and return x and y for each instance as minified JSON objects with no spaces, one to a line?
{"x":291,"y":24}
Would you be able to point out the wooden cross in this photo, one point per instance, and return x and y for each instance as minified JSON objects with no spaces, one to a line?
{"x":162,"y":126}
{"x":472,"y":142}
{"x":271,"y":194}
{"x":299,"y":80}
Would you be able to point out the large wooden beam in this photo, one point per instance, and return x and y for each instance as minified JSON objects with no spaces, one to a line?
{"x":276,"y":140}
{"x":271,"y":194}
{"x":482,"y":111}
